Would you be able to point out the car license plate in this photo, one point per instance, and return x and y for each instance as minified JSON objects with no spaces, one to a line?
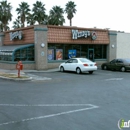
{"x":91,"y":65}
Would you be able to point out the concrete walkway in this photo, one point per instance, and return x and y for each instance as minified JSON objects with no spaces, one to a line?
{"x":28,"y":71}
{"x":5,"y":74}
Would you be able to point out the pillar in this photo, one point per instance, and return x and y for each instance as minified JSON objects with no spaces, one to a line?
{"x":40,"y":45}
{"x":113,"y":45}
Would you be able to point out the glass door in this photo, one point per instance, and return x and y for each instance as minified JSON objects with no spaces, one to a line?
{"x":91,"y":54}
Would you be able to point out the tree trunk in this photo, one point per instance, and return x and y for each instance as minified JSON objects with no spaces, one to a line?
{"x":70,"y":22}
{"x":5,"y":28}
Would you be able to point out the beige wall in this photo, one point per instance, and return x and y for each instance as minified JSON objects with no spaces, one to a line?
{"x":123,"y":46}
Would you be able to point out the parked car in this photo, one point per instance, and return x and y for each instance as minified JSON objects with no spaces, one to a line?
{"x":120,"y":64}
{"x":78,"y":65}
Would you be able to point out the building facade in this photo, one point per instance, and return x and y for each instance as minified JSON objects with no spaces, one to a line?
{"x":42,"y":47}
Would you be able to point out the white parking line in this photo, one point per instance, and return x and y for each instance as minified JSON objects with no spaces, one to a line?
{"x":113,"y":79}
{"x":45,"y":105}
{"x":90,"y":106}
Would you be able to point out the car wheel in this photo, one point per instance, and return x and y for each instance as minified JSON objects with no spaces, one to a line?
{"x":62,"y":69}
{"x":78,"y":70}
{"x":123,"y":69}
{"x":90,"y":72}
{"x":105,"y":67}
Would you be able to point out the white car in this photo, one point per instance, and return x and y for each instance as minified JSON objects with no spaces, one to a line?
{"x":78,"y":65}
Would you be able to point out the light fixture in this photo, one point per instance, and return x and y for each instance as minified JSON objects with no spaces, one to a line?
{"x":42,"y":44}
{"x":112,"y":46}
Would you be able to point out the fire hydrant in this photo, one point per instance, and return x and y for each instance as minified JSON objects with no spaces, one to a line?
{"x":19,"y":66}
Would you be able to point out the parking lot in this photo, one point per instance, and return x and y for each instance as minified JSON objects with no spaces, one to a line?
{"x":66,"y":101}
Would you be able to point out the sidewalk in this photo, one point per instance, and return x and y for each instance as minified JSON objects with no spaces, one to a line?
{"x":28,"y":71}
{"x":13,"y":74}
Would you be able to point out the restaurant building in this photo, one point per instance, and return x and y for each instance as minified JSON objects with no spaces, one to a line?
{"x":43,"y":47}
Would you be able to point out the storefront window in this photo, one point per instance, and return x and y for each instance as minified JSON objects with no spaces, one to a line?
{"x":66,"y":50}
{"x":5,"y":55}
{"x":84,"y":51}
{"x":30,"y":53}
{"x":81,"y":50}
{"x":104,"y":52}
{"x":77,"y":48}
{"x":23,"y":54}
{"x":98,"y":52}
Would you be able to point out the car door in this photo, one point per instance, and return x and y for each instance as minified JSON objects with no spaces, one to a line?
{"x":73,"y":64}
{"x":67,"y":65}
{"x":119,"y":64}
{"x":112,"y":64}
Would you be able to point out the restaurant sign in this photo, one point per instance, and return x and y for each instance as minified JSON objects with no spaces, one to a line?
{"x":15,"y":35}
{"x":76,"y":34}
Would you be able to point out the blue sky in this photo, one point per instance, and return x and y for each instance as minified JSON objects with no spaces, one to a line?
{"x":113,"y":14}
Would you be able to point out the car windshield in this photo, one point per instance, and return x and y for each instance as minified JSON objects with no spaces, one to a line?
{"x":84,"y":60}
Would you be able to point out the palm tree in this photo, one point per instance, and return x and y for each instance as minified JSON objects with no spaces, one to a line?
{"x":23,"y":12}
{"x":70,"y":11}
{"x":30,"y":19}
{"x":1,"y":26}
{"x":56,"y":16}
{"x":39,"y":12}
{"x":16,"y":24}
{"x":5,"y":15}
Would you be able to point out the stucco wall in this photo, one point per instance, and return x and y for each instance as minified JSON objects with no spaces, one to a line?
{"x":123,"y":46}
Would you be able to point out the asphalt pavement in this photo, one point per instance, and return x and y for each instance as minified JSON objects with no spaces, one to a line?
{"x":25,"y":73}
{"x":69,"y":101}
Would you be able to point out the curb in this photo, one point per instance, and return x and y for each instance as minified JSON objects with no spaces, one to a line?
{"x":42,"y":71}
{"x":16,"y":79}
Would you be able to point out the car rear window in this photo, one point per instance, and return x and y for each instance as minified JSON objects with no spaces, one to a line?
{"x":84,"y":60}
{"x":127,"y":60}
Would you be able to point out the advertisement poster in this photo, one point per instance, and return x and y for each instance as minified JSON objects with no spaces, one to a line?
{"x":50,"y":54}
{"x":59,"y":54}
{"x":71,"y":53}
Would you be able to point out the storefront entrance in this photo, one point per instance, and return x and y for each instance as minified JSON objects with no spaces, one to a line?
{"x":91,"y":54}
